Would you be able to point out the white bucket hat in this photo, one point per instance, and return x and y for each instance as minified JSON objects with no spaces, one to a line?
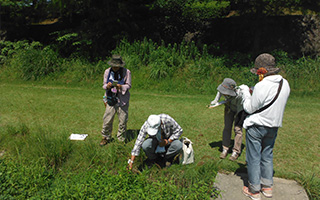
{"x":153,"y":125}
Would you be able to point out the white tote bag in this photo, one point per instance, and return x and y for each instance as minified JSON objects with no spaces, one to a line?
{"x":187,"y":151}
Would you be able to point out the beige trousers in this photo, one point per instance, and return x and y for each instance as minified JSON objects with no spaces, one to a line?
{"x":108,"y":119}
{"x":229,"y":118}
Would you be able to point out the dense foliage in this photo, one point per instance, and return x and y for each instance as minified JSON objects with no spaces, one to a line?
{"x":34,"y":181}
{"x":92,"y":28}
{"x":154,"y":66}
{"x":57,"y":168}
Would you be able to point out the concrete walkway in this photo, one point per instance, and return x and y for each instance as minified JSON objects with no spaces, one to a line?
{"x":230,"y":187}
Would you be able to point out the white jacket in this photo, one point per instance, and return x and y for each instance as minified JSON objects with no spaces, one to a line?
{"x":262,"y":95}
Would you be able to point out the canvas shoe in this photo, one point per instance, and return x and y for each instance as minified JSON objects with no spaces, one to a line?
{"x":253,"y":196}
{"x":267,"y":192}
{"x":224,"y":154}
{"x":234,"y":156}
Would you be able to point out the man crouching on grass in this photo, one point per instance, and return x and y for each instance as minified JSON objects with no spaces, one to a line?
{"x":163,"y":142}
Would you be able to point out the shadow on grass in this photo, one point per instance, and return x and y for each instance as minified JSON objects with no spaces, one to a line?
{"x":160,"y":162}
{"x":216,"y":144}
{"x":131,"y":134}
{"x":219,"y":144}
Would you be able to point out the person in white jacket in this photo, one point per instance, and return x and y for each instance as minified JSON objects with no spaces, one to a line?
{"x":266,"y":110}
{"x":233,"y":113}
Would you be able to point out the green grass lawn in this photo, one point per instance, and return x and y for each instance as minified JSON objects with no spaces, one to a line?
{"x":57,"y":111}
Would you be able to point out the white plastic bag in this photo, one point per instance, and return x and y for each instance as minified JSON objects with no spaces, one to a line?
{"x":187,"y":151}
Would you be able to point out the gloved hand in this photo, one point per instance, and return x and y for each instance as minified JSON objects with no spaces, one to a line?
{"x":245,"y":91}
{"x":213,"y":102}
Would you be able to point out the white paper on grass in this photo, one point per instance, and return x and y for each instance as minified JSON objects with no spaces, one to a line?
{"x":217,"y":104}
{"x":75,"y":136}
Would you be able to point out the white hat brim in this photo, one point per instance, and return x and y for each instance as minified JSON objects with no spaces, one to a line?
{"x":153,"y":131}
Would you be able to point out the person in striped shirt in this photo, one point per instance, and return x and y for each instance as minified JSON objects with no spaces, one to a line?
{"x":162,"y":142}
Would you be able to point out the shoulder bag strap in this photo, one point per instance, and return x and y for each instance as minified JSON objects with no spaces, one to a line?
{"x":274,"y":99}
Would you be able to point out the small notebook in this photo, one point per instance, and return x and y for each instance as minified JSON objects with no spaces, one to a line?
{"x":74,"y":136}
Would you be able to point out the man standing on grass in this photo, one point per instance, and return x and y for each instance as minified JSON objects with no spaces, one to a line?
{"x":163,"y":141}
{"x":116,"y":82}
{"x":266,"y":107}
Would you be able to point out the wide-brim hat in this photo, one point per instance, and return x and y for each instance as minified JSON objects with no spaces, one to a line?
{"x":153,"y":125}
{"x":266,"y":61}
{"x":116,"y":61}
{"x":228,"y":87}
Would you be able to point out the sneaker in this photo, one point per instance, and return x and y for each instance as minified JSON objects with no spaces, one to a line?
{"x":168,"y":164}
{"x":234,"y":156}
{"x":267,"y":192}
{"x":104,"y":141}
{"x":253,"y":196}
{"x":121,"y":139}
{"x":224,"y":154}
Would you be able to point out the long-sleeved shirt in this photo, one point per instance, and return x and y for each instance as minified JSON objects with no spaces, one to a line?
{"x":123,"y":94}
{"x":262,"y":95}
{"x":169,"y":126}
{"x":235,"y":103}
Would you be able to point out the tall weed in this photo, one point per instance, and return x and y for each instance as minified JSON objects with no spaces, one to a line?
{"x":173,"y":68}
{"x":34,"y":64}
{"x":311,"y":184}
{"x":304,"y":73}
{"x":41,"y":145}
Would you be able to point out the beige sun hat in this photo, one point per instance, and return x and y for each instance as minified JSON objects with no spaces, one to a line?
{"x":116,"y":61}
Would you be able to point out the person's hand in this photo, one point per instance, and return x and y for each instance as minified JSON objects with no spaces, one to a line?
{"x":130,"y":166}
{"x":213,"y":102}
{"x":109,"y":85}
{"x":163,"y":143}
{"x":245,"y":90}
{"x":118,"y":86}
{"x":130,"y":162}
{"x":244,"y":87}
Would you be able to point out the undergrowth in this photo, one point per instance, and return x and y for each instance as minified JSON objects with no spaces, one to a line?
{"x":171,"y":68}
{"x":40,"y":164}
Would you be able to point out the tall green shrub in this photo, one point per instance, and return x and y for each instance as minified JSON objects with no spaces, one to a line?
{"x":35,"y":64}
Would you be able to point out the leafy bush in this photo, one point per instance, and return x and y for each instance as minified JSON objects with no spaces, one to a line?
{"x":51,"y":169}
{"x":8,"y":48}
{"x":20,"y":181}
{"x":202,"y":10}
{"x":35,"y":64}
{"x":34,"y":181}
{"x":176,"y":68}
